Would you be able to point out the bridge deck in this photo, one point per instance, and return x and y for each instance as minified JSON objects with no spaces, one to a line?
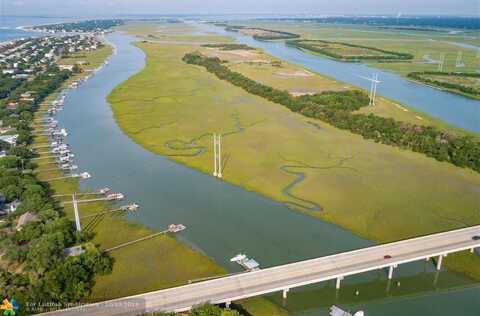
{"x":287,"y":276}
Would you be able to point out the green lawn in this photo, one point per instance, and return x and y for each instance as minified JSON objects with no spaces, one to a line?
{"x":377,"y":191}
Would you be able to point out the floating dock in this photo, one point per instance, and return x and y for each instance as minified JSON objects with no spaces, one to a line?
{"x":337,"y":311}
{"x":246,"y":263}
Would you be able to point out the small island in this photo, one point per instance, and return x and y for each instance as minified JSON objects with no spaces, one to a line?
{"x":261,"y":33}
{"x":349,"y":52}
{"x":463,"y":83}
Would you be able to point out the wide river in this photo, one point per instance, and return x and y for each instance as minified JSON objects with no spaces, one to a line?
{"x":223,"y":220}
{"x":451,"y":108}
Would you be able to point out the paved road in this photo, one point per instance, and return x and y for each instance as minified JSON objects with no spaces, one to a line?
{"x":287,"y":276}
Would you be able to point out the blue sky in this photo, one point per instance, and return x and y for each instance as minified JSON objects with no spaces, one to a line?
{"x":348,"y":7}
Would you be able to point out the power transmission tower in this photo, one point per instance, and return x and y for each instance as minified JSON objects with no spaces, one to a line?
{"x":441,"y":62}
{"x":217,"y":155}
{"x":373,"y":87}
{"x":459,"y":61}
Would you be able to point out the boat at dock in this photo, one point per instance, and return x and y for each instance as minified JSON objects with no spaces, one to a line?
{"x":246,"y":263}
{"x":114,"y":196}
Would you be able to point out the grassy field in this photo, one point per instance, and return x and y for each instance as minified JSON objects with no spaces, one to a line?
{"x":424,"y":45}
{"x":347,"y":51}
{"x":377,"y":191}
{"x":284,"y":76}
{"x":154,"y":264}
{"x":171,"y":32}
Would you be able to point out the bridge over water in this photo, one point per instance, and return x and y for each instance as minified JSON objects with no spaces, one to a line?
{"x":288,"y":276}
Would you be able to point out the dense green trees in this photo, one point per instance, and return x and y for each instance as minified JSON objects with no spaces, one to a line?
{"x":337,"y":109}
{"x":207,"y":310}
{"x":9,"y":162}
{"x":212,"y":310}
{"x":39,"y":246}
{"x":7,"y":85}
{"x":229,"y":46}
{"x":467,"y":90}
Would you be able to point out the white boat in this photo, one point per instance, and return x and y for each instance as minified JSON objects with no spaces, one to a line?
{"x":238,"y":258}
{"x":115,"y":196}
{"x":64,"y":159}
{"x":67,"y":166}
{"x":104,"y":190}
{"x":175,"y":228}
{"x":246,"y":263}
{"x":130,"y":207}
{"x":85,"y":175}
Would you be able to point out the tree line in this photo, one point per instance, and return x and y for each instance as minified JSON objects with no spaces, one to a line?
{"x":337,"y":109}
{"x":229,"y":46}
{"x":468,"y":90}
{"x":274,"y":34}
{"x":8,"y":84}
{"x":389,"y":55}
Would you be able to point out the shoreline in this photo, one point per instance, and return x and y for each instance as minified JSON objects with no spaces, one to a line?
{"x":453,"y":91}
{"x":76,"y":185}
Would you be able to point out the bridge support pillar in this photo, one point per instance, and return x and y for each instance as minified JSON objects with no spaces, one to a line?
{"x":285,"y":292}
{"x":472,"y":250}
{"x":337,"y":284}
{"x":439,"y":262}
{"x":227,"y":304}
{"x":390,"y":272}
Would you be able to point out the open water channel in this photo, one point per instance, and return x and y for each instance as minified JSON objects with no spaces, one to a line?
{"x":223,"y":220}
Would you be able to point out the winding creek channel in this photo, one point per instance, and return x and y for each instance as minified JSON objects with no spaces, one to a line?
{"x":223,"y":220}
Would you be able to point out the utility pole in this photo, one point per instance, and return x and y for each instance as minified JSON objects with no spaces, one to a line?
{"x":217,"y":155}
{"x":370,"y":101}
{"x":77,"y":215}
{"x":375,"y":83}
{"x":214,"y":155}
